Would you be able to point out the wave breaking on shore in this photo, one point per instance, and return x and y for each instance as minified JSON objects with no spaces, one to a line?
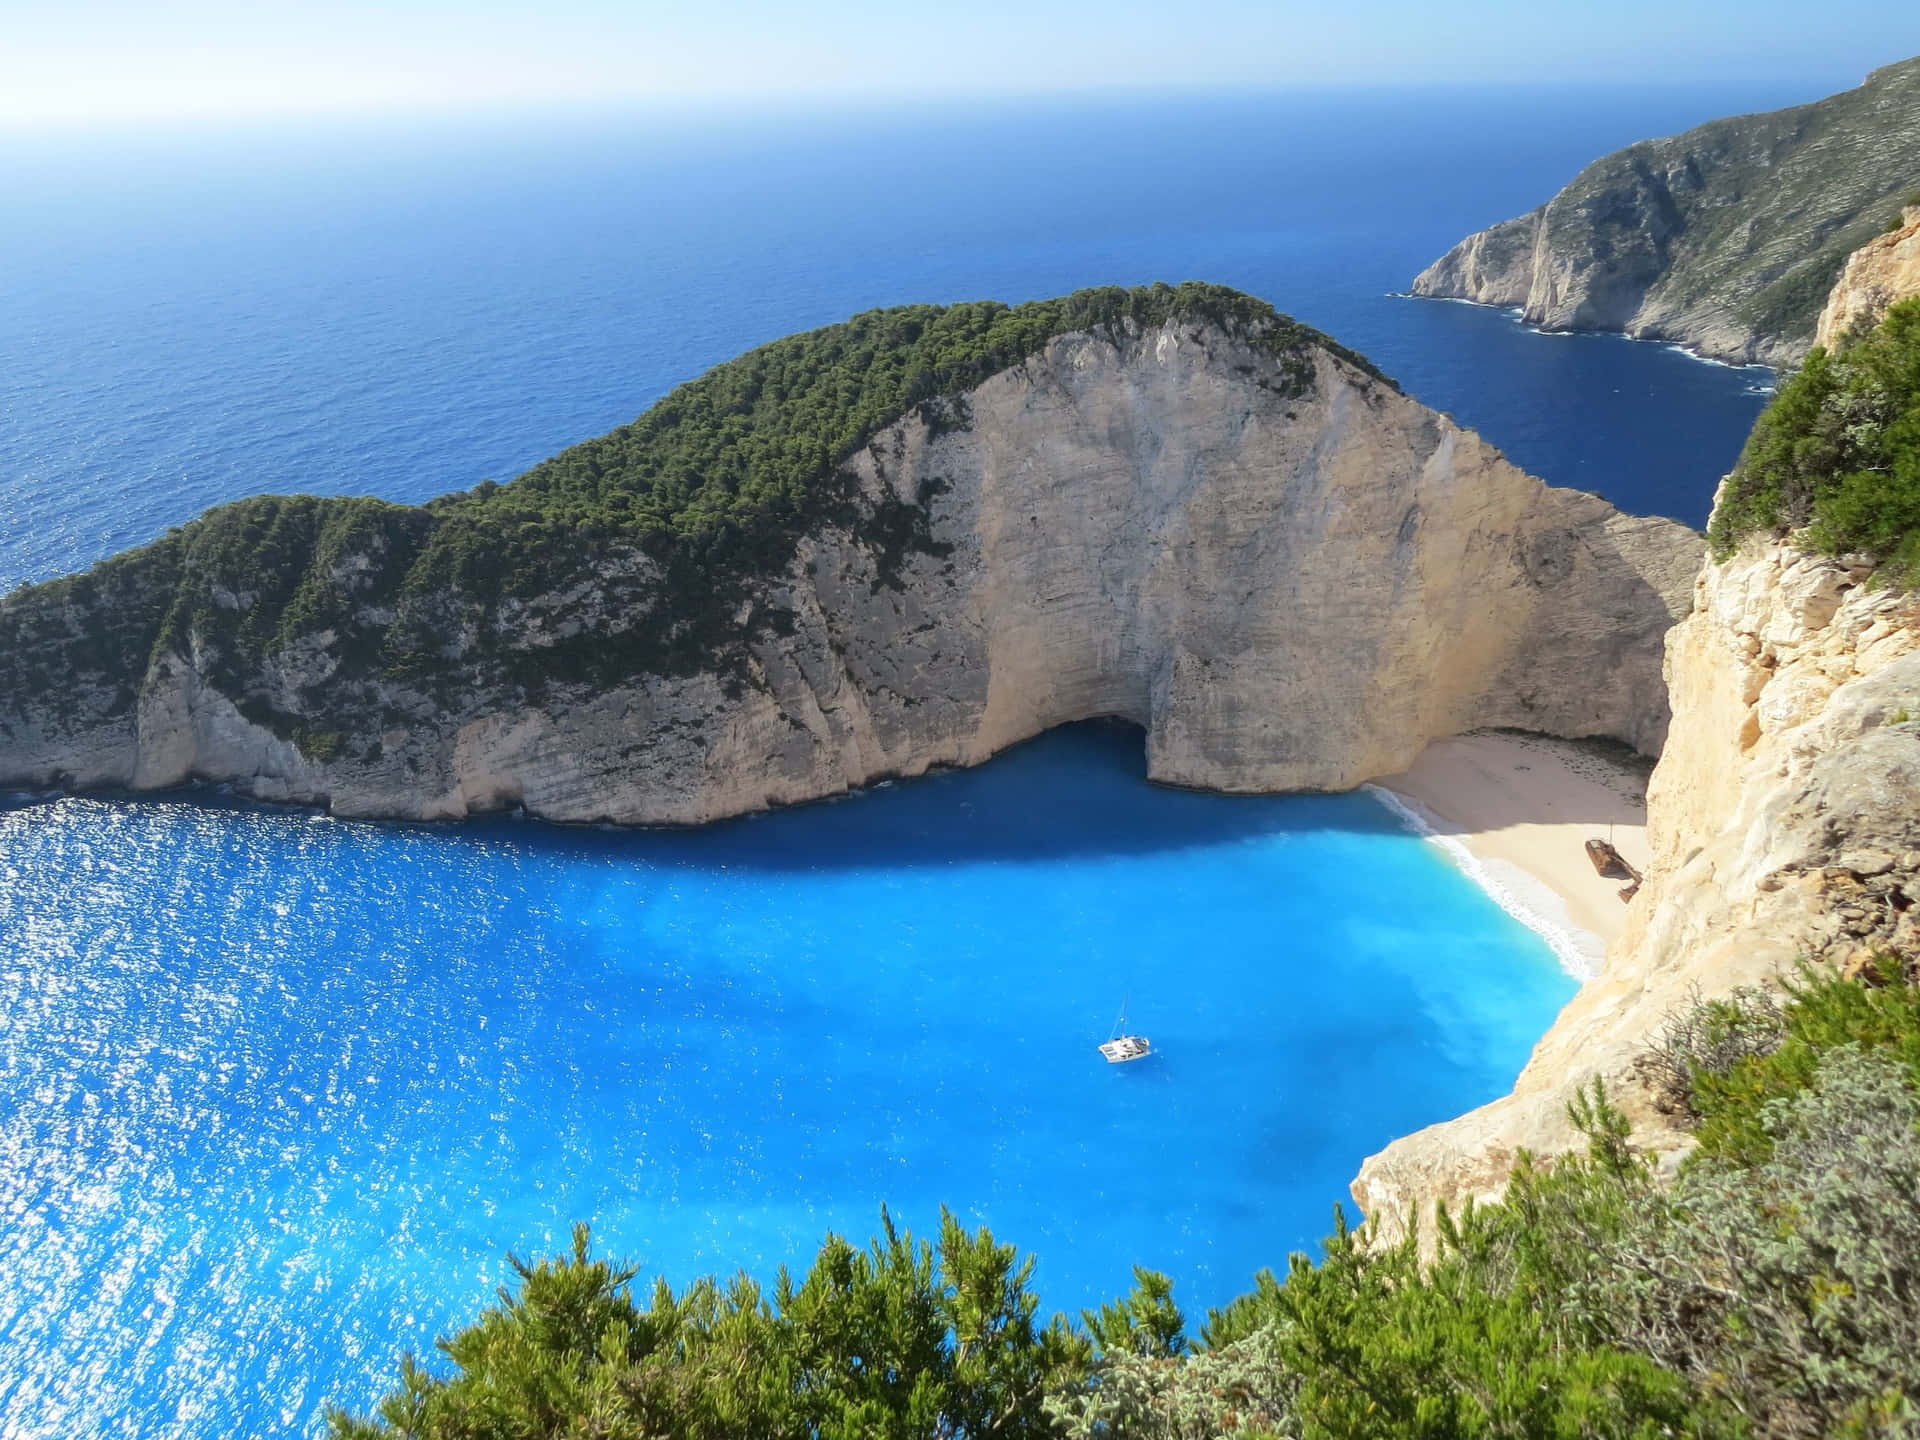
{"x":1520,"y":895}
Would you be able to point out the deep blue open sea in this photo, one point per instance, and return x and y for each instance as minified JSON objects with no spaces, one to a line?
{"x":278,"y":1093}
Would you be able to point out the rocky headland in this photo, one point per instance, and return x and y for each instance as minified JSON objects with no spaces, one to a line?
{"x":1725,"y":239}
{"x":1174,"y":507}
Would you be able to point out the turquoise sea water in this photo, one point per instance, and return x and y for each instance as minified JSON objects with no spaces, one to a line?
{"x":277,"y":1094}
{"x":284,"y":1090}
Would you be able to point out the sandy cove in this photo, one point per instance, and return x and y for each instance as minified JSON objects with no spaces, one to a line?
{"x":1515,"y":812}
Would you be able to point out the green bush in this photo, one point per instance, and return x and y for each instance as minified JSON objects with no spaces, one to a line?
{"x":1836,"y":456}
{"x":1487,"y":1339}
{"x":1146,"y":1323}
{"x":897,"y":1340}
{"x":1791,"y":1288}
{"x":1242,"y":1390}
{"x":1823,"y":1012}
{"x":1772,"y":1292}
{"x":1710,"y":1038}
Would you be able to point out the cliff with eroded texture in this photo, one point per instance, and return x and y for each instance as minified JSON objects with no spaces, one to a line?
{"x":1193,"y":515}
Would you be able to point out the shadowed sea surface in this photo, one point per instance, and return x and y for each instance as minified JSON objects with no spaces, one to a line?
{"x":278,"y":1093}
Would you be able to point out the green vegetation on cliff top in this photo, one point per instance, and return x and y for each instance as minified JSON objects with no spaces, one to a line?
{"x":672,"y":519}
{"x":1771,"y":1291}
{"x":762,"y":432}
{"x":1836,"y":457}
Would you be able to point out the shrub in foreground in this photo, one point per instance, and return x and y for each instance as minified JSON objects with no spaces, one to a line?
{"x":1790,"y":1289}
{"x":1771,"y":1292}
{"x":899,"y":1339}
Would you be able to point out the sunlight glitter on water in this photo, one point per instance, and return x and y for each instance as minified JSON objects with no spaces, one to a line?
{"x":280,"y":1095}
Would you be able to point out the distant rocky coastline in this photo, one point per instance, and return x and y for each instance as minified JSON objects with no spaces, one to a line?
{"x":1725,"y":239}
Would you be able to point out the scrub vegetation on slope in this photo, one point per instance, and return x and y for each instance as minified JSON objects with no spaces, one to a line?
{"x":1726,"y":238}
{"x":1771,"y":1291}
{"x":1836,"y":456}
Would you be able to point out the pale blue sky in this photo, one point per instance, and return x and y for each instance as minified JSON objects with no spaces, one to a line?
{"x":103,"y":61}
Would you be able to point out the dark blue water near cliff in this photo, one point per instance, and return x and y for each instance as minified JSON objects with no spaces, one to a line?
{"x":277,"y":1094}
{"x":405,"y":311}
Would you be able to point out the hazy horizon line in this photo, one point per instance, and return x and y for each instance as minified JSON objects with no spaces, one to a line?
{"x":1817,"y":82}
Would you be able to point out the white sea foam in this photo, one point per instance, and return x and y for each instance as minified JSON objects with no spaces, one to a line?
{"x":1533,"y":904}
{"x":1458,"y":300}
{"x":1519,"y":314}
{"x":1693,"y":354}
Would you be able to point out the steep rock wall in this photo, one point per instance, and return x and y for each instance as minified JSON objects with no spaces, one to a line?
{"x":1879,"y":273}
{"x":1784,"y":819}
{"x":1287,"y":591}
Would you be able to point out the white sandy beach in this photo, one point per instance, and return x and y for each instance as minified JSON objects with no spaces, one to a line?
{"x":1516,"y":811}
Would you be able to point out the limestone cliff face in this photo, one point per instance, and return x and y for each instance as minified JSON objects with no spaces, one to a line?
{"x":1724,"y":239}
{"x":1878,"y":274}
{"x":1784,"y":819}
{"x":1494,"y":266}
{"x":1288,"y":591}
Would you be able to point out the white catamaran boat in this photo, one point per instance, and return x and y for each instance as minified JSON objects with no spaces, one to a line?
{"x":1120,"y":1048}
